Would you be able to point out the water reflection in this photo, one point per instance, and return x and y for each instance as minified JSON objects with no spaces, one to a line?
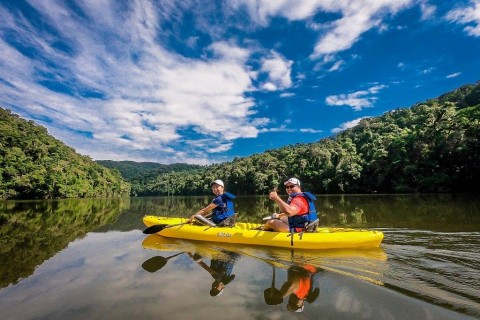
{"x":299,"y":287}
{"x":33,"y":231}
{"x":429,"y":212}
{"x":158,"y":262}
{"x":300,"y":266}
{"x":272,"y":295}
{"x":430,"y":252}
{"x":219,"y":269}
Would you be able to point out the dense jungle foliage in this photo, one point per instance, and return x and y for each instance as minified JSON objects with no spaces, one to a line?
{"x":131,"y":169}
{"x":33,"y":164}
{"x":434,"y":146}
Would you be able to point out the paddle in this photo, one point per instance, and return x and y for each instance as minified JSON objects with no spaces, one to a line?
{"x":159,"y":227}
{"x":272,"y":295}
{"x":271,"y":217}
{"x":156,"y":263}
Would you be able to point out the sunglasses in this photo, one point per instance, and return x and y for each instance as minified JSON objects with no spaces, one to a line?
{"x":290,"y":187}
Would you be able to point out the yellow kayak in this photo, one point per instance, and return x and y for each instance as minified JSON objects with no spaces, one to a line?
{"x":246,"y":233}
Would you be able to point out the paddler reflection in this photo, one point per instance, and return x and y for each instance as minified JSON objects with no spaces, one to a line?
{"x":220,"y":269}
{"x":298,"y":288}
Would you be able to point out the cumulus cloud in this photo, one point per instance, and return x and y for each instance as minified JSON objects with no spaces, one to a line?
{"x":469,"y":15}
{"x":357,"y":100}
{"x":278,"y":70}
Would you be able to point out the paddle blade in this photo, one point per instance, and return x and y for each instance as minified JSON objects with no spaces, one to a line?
{"x":155,"y":263}
{"x":155,"y":228}
{"x":272,"y":296}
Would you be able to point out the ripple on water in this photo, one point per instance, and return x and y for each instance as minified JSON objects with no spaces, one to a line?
{"x":441,"y":267}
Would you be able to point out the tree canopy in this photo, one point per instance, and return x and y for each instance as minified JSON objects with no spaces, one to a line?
{"x":434,"y":146}
{"x":33,"y":164}
{"x":131,"y":169}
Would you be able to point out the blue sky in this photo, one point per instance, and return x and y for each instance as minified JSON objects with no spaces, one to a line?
{"x":205,"y":81}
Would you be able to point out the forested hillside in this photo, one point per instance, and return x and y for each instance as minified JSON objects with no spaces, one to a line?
{"x":33,"y":164}
{"x":131,"y":169}
{"x":434,"y":146}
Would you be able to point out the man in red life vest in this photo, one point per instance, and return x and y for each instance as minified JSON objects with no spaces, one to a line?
{"x":295,"y":206}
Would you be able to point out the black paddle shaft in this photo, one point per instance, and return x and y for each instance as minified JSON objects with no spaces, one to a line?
{"x":156,"y":228}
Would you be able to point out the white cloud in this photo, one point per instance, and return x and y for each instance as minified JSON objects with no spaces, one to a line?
{"x":453,"y":75}
{"x":147,"y":96}
{"x":278,"y":70}
{"x":336,"y":66}
{"x":230,"y":51}
{"x":283,"y":128}
{"x":356,"y":18}
{"x":221,"y":148}
{"x":310,"y":130}
{"x":469,"y":16}
{"x":427,"y":70}
{"x":357,"y":100}
{"x":347,"y":125}
{"x":428,"y":10}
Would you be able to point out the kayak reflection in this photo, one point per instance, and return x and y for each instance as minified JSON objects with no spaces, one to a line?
{"x":219,"y":269}
{"x":298,"y":267}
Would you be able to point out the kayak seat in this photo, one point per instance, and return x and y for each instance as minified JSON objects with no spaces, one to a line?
{"x":204,"y":221}
{"x":312,"y":226}
{"x":229,"y":222}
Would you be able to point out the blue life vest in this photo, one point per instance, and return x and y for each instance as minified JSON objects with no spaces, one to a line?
{"x":298,"y":222}
{"x":224,"y":210}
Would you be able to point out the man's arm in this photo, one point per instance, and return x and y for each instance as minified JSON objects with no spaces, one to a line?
{"x":284,"y":207}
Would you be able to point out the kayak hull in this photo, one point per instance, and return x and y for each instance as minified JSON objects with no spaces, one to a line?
{"x":245,"y":233}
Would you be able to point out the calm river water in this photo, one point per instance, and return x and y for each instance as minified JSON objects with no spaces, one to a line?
{"x":88,"y":259}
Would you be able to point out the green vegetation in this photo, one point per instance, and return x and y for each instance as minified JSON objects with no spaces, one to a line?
{"x":137,"y":170}
{"x":433,"y":146}
{"x":33,"y":164}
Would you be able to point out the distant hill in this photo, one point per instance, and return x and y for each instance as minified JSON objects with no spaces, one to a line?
{"x":131,"y":170}
{"x":433,"y":146}
{"x":33,"y":164}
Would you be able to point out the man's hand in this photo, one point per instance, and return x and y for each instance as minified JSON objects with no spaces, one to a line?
{"x":273,"y":195}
